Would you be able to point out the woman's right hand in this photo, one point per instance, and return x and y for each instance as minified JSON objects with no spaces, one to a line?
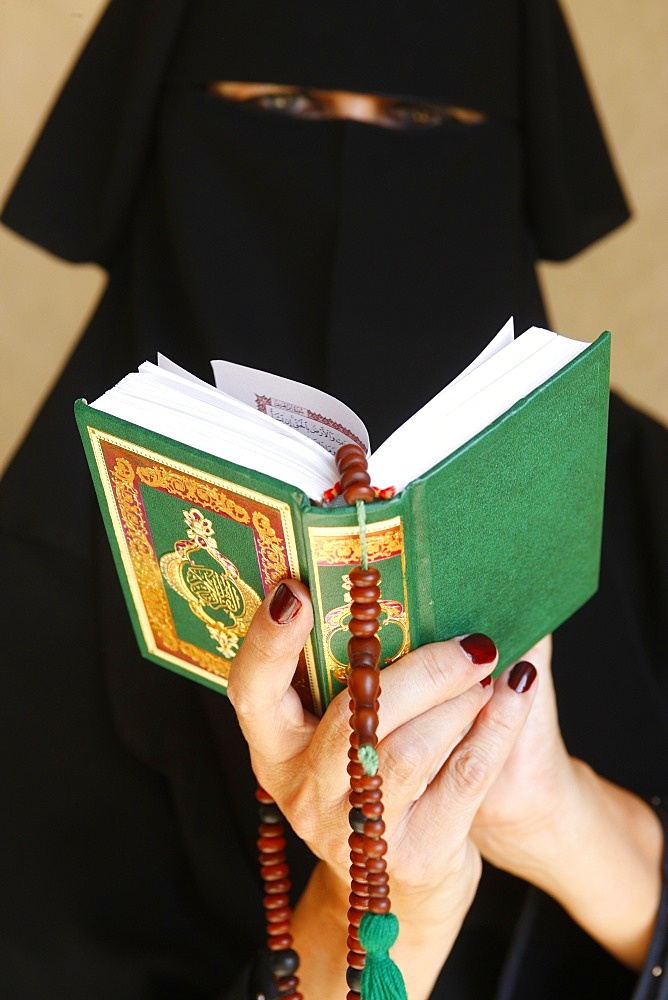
{"x":443,"y":739}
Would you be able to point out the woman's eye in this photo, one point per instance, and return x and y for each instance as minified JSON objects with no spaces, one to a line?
{"x":417,"y":115}
{"x":296,"y":103}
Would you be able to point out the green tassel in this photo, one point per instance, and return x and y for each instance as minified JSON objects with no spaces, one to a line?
{"x":381,"y":979}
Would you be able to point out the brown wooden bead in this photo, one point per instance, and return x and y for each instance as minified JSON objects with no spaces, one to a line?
{"x":363,"y":645}
{"x":347,"y":451}
{"x":380,"y":905}
{"x":373,"y":810}
{"x":354,"y":943}
{"x":359,"y":492}
{"x":271,"y":872}
{"x":359,"y":888}
{"x":362,"y":612}
{"x":276,"y":901}
{"x":364,"y":595}
{"x":356,"y":960}
{"x":354,"y":476}
{"x":374,"y":828}
{"x":363,"y":628}
{"x":363,"y":684}
{"x":270,"y":829}
{"x":360,"y":577}
{"x":369,"y":781}
{"x":286,"y":983}
{"x":271,"y":845}
{"x":376,"y":848}
{"x":271,"y":860}
{"x":379,"y":889}
{"x":280,"y":886}
{"x":279,"y":942}
{"x":365,"y":721}
{"x":263,"y":797}
{"x":377,"y":878}
{"x":275,"y":928}
{"x":355,"y":915}
{"x":356,"y":799}
{"x":355,"y":769}
{"x":278,"y":915}
{"x":356,"y":842}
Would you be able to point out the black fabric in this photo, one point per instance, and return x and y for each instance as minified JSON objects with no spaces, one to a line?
{"x":128,"y":845}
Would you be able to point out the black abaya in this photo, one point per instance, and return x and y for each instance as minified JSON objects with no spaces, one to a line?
{"x":129,"y":831}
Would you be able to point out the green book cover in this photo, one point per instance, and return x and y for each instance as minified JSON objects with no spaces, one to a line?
{"x":503,"y":537}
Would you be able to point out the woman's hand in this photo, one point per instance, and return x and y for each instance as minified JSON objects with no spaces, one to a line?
{"x":551,"y":820}
{"x":443,"y":739}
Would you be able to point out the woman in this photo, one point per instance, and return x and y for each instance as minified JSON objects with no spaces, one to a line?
{"x":232,"y":224}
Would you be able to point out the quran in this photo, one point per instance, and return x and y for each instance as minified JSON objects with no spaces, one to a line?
{"x":488,"y":519}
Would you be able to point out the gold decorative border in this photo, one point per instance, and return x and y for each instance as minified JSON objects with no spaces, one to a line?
{"x":139,"y":560}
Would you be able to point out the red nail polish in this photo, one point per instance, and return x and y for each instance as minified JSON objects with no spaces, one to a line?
{"x":486,"y":681}
{"x":479,"y":648}
{"x":284,"y":605}
{"x":522,"y":676}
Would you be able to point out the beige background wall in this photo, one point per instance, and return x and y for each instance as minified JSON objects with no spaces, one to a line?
{"x":620,"y":284}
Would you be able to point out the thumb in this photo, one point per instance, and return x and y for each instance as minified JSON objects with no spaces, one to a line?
{"x":259,"y":687}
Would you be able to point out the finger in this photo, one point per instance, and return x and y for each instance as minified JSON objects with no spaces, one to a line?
{"x":431,"y":675}
{"x":412,"y":755}
{"x":471,"y":769}
{"x":259,"y":687}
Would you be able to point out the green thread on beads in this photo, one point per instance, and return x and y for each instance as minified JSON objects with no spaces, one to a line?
{"x":381,"y":979}
{"x":361,"y":521}
{"x":368,"y":758}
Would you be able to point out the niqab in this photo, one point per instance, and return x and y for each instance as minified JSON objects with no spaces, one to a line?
{"x":373,"y":263}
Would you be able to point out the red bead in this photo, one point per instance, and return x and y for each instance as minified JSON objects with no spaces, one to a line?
{"x":356,"y":960}
{"x":380,"y":905}
{"x":365,"y":721}
{"x":270,"y":829}
{"x":280,"y":886}
{"x":363,"y":612}
{"x":358,"y":873}
{"x":279,"y":942}
{"x":356,"y":842}
{"x":377,"y":878}
{"x":373,"y":810}
{"x":365,"y":595}
{"x":359,"y":888}
{"x":378,"y":890}
{"x":364,"y":646}
{"x":375,"y":848}
{"x":363,"y":684}
{"x":272,"y":872}
{"x":263,"y":797}
{"x":355,"y":769}
{"x":355,"y":915}
{"x":347,"y":451}
{"x":360,"y":577}
{"x":271,"y":845}
{"x":276,"y":901}
{"x":278,"y":915}
{"x":354,"y":476}
{"x":363,"y":628}
{"x":354,"y":943}
{"x":359,"y":492}
{"x":359,"y":902}
{"x":374,"y":828}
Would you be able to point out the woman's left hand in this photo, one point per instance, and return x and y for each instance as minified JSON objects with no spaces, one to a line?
{"x":593,"y":846}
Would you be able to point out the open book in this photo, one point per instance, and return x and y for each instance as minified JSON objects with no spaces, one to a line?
{"x":212,"y":494}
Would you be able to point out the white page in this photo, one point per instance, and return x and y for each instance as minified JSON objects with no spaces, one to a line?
{"x":171,"y":401}
{"x":468,"y":405}
{"x":319,"y":416}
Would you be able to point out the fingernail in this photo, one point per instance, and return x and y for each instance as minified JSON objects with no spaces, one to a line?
{"x":486,"y":681}
{"x":522,"y":676}
{"x":478,"y":647}
{"x":284,"y":605}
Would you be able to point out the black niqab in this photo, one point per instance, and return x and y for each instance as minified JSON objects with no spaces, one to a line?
{"x":371,"y":262}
